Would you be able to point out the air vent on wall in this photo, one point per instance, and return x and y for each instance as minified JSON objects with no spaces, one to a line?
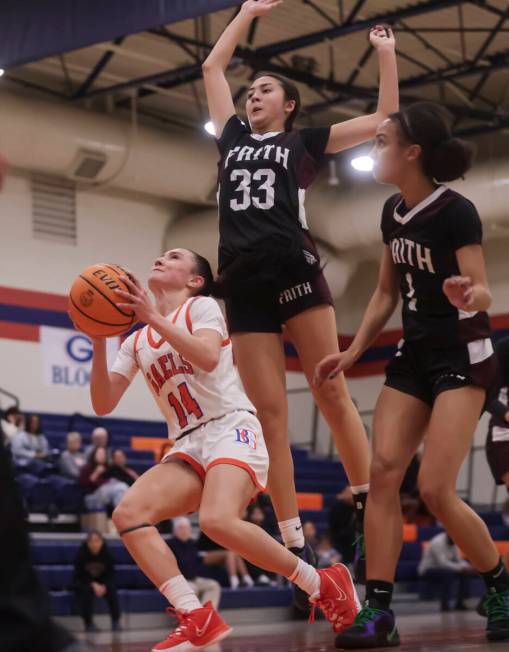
{"x":87,"y":164}
{"x":53,"y":208}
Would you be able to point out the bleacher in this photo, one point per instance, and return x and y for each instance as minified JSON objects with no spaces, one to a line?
{"x":318,"y":481}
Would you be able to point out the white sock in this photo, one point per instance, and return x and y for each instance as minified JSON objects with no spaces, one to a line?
{"x":248,"y":580}
{"x":360,"y":489}
{"x":291,"y":531}
{"x":179,"y":594}
{"x":306,"y":577}
{"x":234,"y":582}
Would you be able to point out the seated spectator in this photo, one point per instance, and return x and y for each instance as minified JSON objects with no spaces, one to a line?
{"x":119,"y":470}
{"x":188,"y":557}
{"x":102,"y":490}
{"x":94,"y":577}
{"x":342,"y":525}
{"x":72,"y":460}
{"x":214,"y":555}
{"x":442,"y":566}
{"x":257,"y":515}
{"x":309,"y":532}
{"x":100,"y":439}
{"x":327,"y":555}
{"x":11,"y":422}
{"x":30,"y":448}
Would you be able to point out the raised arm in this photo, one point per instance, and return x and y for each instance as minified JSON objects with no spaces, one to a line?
{"x":219,"y":97}
{"x":360,"y":130}
{"x":380,"y":308}
{"x":201,"y":348}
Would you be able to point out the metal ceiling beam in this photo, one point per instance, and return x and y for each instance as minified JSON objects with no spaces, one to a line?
{"x":97,"y":69}
{"x":332,"y":33}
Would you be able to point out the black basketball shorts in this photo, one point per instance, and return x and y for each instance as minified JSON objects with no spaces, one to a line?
{"x":425,"y":371}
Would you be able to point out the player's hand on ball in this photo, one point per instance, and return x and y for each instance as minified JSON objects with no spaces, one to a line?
{"x":259,"y":7}
{"x":137,"y":299}
{"x":460,"y":291}
{"x":331,"y":366}
{"x":382,"y":38}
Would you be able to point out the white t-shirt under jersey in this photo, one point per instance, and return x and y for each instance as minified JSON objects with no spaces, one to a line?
{"x":186,"y":395}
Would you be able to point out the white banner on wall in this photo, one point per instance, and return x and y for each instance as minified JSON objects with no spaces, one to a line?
{"x":67,"y":356}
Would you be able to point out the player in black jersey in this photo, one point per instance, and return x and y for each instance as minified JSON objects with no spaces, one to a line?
{"x":269,"y":267}
{"x":497,"y":441}
{"x":436,"y":384}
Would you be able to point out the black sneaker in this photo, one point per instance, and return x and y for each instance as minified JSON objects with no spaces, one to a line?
{"x":300,"y":597}
{"x":496,"y":606}
{"x":359,"y":562}
{"x":372,"y":628}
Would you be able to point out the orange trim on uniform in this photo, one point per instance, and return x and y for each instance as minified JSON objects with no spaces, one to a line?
{"x":242,"y":465}
{"x":226,"y":342}
{"x":150,"y":336}
{"x":135,"y":344}
{"x":196,"y":466}
{"x":176,"y":315}
{"x":189,"y":323}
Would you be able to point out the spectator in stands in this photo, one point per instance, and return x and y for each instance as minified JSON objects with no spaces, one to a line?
{"x":11,"y":423}
{"x":342,"y":525}
{"x":94,"y":577}
{"x":255,"y":514}
{"x":309,"y":532}
{"x":119,"y":470}
{"x":103,"y":490}
{"x":30,"y":448}
{"x":188,"y":557}
{"x":72,"y":460}
{"x":442,"y":566}
{"x":214,"y":555}
{"x":100,"y":439}
{"x":327,"y":555}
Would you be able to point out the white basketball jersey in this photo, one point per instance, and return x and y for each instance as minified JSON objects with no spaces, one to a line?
{"x":186,"y":395}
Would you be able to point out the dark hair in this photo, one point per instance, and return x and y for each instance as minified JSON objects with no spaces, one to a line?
{"x":444,"y":158}
{"x":203,"y":269}
{"x":11,"y":410}
{"x":291,"y":93}
{"x":91,"y":456}
{"x":38,"y":429}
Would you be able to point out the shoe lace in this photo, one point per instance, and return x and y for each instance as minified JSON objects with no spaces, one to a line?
{"x":365,"y":615}
{"x":183,"y":621}
{"x":327,"y":606}
{"x":360,"y":542}
{"x":496,"y":606}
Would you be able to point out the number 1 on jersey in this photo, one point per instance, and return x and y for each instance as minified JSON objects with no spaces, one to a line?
{"x":412,"y":304}
{"x":190,"y":404}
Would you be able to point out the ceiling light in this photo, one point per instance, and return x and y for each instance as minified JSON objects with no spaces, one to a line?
{"x":362,"y":163}
{"x":209,"y":128}
{"x":2,"y":71}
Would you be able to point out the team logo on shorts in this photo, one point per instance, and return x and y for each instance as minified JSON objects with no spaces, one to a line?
{"x":246,"y":437}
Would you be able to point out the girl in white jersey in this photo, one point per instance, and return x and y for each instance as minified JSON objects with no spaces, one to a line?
{"x":219,"y":461}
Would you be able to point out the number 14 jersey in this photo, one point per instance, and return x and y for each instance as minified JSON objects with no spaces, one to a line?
{"x":423,"y":242}
{"x":186,"y":395}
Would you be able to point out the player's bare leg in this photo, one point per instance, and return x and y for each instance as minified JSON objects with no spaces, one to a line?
{"x":164,"y":491}
{"x":453,"y":421}
{"x":399,"y":424}
{"x":226,"y":492}
{"x":261,"y":364}
{"x":314,"y":333}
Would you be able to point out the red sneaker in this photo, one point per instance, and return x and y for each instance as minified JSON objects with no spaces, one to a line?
{"x":338,"y":598}
{"x":196,"y":629}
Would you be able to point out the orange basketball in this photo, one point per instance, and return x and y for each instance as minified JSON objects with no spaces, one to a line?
{"x":93,"y":302}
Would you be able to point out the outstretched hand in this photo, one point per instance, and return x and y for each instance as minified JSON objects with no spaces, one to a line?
{"x":257,"y":8}
{"x":382,"y":38}
{"x":331,"y":366}
{"x":460,"y":291}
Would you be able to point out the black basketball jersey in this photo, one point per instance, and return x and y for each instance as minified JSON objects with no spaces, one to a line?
{"x":423,"y":242}
{"x":262,"y":182}
{"x":499,"y":404}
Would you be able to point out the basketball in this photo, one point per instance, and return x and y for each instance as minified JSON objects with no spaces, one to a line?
{"x":93,"y":302}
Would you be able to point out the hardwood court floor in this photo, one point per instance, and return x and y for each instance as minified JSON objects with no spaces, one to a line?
{"x":453,"y":632}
